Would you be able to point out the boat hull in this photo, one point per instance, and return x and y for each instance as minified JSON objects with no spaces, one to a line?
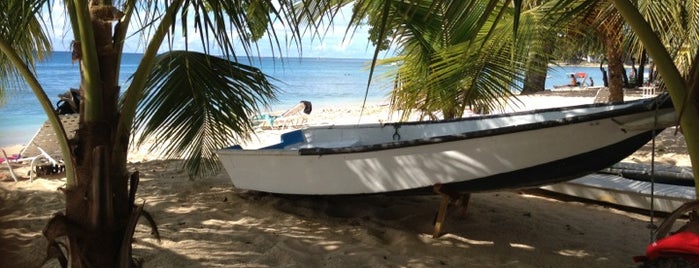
{"x":557,"y":170}
{"x":507,"y":156}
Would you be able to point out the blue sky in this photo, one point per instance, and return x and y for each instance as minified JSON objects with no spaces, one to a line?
{"x":333,"y":45}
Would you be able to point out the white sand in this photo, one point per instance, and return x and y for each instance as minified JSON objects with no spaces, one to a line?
{"x":210,"y":223}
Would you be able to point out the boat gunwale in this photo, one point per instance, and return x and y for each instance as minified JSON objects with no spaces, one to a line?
{"x":644,"y":105}
{"x":635,"y":106}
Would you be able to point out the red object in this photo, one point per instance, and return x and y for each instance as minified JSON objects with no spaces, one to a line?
{"x":581,"y":75}
{"x":682,"y":244}
{"x":12,"y":157}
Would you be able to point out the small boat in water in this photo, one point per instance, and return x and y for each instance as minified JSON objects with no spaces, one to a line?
{"x":507,"y":151}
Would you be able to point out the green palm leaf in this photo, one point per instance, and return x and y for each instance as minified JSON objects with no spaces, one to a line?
{"x":23,"y":32}
{"x":195,"y":104}
{"x":456,"y":55}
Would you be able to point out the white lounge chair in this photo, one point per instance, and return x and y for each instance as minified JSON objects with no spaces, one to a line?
{"x":33,"y":162}
{"x":295,"y":116}
{"x":43,"y":150}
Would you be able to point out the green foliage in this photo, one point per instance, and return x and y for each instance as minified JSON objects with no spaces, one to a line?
{"x":257,"y":21}
{"x":200,"y":103}
{"x":455,"y":56}
{"x":676,"y":22}
{"x":23,"y":31}
{"x":226,"y":92}
{"x":382,"y":40}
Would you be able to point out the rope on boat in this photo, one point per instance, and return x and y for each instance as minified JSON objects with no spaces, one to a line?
{"x":652,"y":226}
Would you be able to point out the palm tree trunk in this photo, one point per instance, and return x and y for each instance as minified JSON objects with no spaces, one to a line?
{"x":640,"y":76}
{"x":535,"y":78}
{"x":610,"y":33}
{"x":97,"y":204}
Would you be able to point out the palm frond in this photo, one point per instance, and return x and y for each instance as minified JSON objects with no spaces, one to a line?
{"x":457,"y":55}
{"x":22,"y":29}
{"x":195,"y":104}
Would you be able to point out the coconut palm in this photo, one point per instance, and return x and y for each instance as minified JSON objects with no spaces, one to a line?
{"x":621,"y":43}
{"x":467,"y":60}
{"x":100,"y":212}
{"x":424,"y":42}
{"x":195,"y":100}
{"x":677,"y":26}
{"x":452,"y":55}
{"x":570,"y":28}
{"x":542,"y":45}
{"x":608,"y":28}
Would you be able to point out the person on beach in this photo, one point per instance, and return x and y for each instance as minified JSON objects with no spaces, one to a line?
{"x":573,"y":81}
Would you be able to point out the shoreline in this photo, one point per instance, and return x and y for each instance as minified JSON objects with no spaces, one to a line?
{"x":672,"y":146}
{"x":378,"y":112}
{"x":21,"y":136}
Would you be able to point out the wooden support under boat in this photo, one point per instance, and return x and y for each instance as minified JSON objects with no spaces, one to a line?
{"x":448,"y":197}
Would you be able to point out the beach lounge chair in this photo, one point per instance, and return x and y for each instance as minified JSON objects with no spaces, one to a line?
{"x":53,"y":165}
{"x":648,"y":91}
{"x":294,"y":117}
{"x":43,"y":153}
{"x":8,"y":160}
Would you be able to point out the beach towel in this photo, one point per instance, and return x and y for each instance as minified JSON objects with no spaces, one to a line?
{"x":10,"y":158}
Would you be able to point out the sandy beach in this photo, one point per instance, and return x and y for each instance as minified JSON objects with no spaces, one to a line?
{"x":210,"y":223}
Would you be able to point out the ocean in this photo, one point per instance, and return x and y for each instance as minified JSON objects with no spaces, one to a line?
{"x":322,"y":81}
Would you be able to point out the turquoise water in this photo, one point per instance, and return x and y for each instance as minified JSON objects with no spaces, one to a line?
{"x":322,"y":81}
{"x":319,"y":80}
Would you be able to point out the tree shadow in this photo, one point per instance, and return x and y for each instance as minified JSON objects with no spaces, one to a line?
{"x":208,"y":222}
{"x":23,"y":214}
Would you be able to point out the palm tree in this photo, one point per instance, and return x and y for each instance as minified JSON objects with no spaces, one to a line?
{"x":543,"y":41}
{"x":450,"y":53}
{"x":198,"y":101}
{"x":608,"y":27}
{"x":581,"y":24}
{"x":621,"y":43}
{"x":100,"y":212}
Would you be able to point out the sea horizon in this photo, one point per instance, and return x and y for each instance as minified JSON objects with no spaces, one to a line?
{"x":325,"y":82}
{"x":322,"y":81}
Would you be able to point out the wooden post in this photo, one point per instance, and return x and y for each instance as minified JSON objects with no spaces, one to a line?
{"x":461,"y":200}
{"x":441,"y":215}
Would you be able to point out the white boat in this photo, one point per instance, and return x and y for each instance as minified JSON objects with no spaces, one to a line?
{"x":626,"y":192}
{"x":523,"y":149}
{"x":659,"y":188}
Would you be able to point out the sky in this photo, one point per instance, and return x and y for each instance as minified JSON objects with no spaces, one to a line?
{"x":333,"y":45}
